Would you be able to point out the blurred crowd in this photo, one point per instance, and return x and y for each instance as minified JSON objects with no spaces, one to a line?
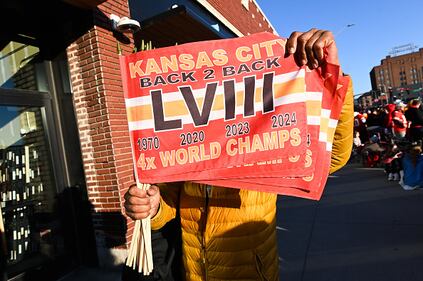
{"x":391,"y":137}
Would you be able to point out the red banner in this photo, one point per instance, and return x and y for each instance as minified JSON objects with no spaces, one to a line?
{"x":235,"y":113}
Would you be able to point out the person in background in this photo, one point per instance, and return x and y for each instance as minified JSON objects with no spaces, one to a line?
{"x":372,"y":152}
{"x":412,"y":173}
{"x":357,"y":141}
{"x":361,"y":127}
{"x":399,"y":122}
{"x":414,"y":115}
{"x":373,"y":118}
{"x":393,"y":164}
{"x":357,"y":146}
{"x":374,"y":124}
{"x":227,"y":233}
{"x":389,"y":108}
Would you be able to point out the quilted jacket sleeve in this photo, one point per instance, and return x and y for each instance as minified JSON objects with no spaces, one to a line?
{"x":169,"y":201}
{"x":342,"y":143}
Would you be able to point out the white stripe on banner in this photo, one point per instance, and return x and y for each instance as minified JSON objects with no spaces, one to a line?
{"x":325,"y":113}
{"x":313,"y":120}
{"x":333,"y":123}
{"x":329,"y":146}
{"x":323,"y":137}
{"x":314,"y":96}
{"x":175,"y":96}
{"x":139,"y":125}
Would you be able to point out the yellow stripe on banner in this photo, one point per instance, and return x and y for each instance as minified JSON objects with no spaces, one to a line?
{"x":324,"y":124}
{"x":178,"y":108}
{"x":314,"y":107}
{"x":294,"y":86}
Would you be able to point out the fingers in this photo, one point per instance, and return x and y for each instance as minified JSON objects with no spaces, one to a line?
{"x":153,"y":190}
{"x":311,"y":47}
{"x":139,"y":204}
{"x":291,"y":44}
{"x":303,"y":55}
{"x":137,"y":212}
{"x":314,"y":50}
{"x":135,"y":191}
{"x":328,"y":45}
{"x":154,"y":196}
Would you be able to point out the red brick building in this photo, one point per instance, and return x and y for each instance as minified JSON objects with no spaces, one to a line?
{"x":65,"y":156}
{"x":398,"y":75}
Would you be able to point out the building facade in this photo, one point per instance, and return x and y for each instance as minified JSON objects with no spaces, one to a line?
{"x":400,"y":76}
{"x":65,"y":155}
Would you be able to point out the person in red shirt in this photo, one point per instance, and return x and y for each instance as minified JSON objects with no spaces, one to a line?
{"x":388,"y":118}
{"x":399,"y":122}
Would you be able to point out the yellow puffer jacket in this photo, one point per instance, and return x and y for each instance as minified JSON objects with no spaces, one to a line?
{"x":343,"y":139}
{"x":227,"y":234}
{"x":230,"y":234}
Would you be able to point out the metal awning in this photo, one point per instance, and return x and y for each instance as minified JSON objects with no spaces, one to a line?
{"x":177,"y":25}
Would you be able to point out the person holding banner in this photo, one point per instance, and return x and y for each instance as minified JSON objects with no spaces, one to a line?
{"x":229,"y":233}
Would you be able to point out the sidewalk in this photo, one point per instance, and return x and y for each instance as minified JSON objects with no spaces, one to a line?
{"x":92,"y":274}
{"x":363,"y":229}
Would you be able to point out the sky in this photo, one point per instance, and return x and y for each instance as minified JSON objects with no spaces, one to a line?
{"x":378,"y":27}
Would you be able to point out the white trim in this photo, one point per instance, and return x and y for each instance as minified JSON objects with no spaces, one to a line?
{"x":220,"y":17}
{"x":264,"y":15}
{"x":246,"y":3}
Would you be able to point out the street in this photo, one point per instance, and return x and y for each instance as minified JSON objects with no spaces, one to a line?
{"x":363,"y":229}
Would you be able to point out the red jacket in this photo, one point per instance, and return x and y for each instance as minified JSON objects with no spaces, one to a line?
{"x":399,"y":122}
{"x":388,"y":120}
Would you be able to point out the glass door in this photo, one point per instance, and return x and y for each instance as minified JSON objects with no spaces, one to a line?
{"x":38,"y":237}
{"x":27,"y":189}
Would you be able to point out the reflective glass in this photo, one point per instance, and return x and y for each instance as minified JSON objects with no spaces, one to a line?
{"x":27,"y":190}
{"x":21,"y":68}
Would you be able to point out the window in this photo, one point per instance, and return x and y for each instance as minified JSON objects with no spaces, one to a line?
{"x":21,"y":68}
{"x":245,"y":3}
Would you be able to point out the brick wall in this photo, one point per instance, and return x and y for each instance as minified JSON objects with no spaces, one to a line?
{"x":102,"y":124}
{"x":247,"y":21}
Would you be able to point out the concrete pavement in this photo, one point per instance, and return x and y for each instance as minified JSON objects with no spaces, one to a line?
{"x":363,"y":229}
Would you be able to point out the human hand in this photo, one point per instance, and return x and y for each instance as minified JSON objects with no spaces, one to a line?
{"x":313,"y":47}
{"x":139,"y":204}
